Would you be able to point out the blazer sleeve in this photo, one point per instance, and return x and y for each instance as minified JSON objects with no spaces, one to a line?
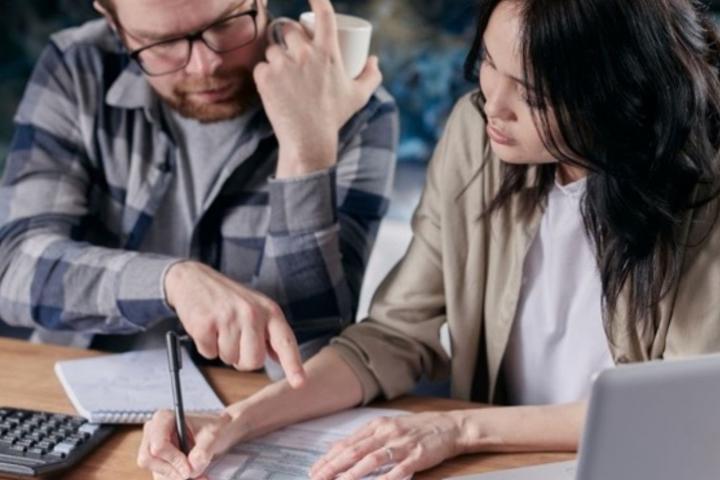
{"x":400,"y":341}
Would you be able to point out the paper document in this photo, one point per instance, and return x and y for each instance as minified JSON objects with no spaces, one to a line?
{"x":289,"y":453}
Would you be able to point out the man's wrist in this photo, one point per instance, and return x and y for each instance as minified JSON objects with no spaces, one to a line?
{"x":173,"y":277}
{"x":140,"y":295}
{"x":303,"y":205}
{"x":300,"y":160}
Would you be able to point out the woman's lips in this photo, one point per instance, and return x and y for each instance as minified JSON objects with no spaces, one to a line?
{"x":498,"y":137}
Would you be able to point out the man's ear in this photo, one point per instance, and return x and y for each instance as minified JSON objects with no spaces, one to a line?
{"x":108,"y":16}
{"x":101,"y":10}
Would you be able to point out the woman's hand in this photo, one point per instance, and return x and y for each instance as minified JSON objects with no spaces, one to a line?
{"x":411,"y":442}
{"x":209,"y":436}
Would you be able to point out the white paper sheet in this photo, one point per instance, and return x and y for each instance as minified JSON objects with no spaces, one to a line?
{"x":289,"y":453}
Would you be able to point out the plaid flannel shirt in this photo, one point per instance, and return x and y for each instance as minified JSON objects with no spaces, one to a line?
{"x":89,"y":164}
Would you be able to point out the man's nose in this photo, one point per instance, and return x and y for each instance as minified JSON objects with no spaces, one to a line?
{"x":203,"y":61}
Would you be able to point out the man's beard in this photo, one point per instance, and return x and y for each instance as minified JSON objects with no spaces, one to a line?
{"x":244,"y":95}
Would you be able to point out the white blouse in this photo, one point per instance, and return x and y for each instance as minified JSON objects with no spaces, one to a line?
{"x":558,"y":343}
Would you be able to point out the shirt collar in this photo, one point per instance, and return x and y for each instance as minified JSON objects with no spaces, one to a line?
{"x":131,"y":90}
{"x":574,"y":189}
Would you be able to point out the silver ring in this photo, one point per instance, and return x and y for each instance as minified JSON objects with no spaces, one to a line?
{"x":390,"y":454}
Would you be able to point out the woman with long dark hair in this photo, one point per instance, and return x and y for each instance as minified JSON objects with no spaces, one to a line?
{"x":569,"y":224}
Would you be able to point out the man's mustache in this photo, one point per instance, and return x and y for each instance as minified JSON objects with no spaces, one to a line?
{"x":214,"y":82}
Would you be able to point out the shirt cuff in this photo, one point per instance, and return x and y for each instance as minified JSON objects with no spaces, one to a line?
{"x":141,"y":292}
{"x":303,"y":204}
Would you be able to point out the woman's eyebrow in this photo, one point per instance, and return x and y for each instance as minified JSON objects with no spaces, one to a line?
{"x":521,"y":81}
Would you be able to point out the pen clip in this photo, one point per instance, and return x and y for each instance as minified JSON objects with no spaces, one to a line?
{"x":173,"y":342}
{"x":173,"y":350}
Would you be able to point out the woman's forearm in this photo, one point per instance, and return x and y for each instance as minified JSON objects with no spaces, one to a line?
{"x":521,"y":429}
{"x":330,"y":386}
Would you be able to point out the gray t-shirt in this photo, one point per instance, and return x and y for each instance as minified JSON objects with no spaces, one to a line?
{"x":203,"y":151}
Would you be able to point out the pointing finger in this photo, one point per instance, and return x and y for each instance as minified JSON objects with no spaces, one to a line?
{"x":285,"y":345}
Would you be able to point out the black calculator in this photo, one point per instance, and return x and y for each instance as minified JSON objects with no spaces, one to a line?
{"x":41,"y":444}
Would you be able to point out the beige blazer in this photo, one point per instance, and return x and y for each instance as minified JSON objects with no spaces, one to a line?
{"x":466,"y":270}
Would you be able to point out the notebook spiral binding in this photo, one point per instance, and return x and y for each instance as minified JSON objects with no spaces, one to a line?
{"x":116,"y":417}
{"x":108,"y":416}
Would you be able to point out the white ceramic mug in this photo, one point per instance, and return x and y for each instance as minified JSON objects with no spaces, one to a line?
{"x":354,"y":35}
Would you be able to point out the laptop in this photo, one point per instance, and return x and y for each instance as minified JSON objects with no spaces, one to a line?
{"x":652,"y":421}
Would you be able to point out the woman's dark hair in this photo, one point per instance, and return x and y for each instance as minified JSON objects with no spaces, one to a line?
{"x":633,"y":86}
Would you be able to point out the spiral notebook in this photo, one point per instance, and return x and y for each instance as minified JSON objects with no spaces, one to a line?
{"x":130,"y":387}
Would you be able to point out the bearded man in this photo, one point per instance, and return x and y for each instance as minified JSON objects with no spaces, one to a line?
{"x":170,"y":168}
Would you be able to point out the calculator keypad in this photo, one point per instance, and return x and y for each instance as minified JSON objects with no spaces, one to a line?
{"x":39,"y":439}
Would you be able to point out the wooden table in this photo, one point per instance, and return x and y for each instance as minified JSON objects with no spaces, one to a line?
{"x":27,"y":380}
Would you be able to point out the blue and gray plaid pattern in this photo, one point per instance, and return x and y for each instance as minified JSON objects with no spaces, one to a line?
{"x":90,"y":163}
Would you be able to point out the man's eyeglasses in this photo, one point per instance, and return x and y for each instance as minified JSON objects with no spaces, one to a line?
{"x":172,"y":55}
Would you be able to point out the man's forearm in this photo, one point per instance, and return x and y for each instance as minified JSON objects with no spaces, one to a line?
{"x":323,"y":224}
{"x":62,"y":284}
{"x":303,"y":267}
{"x":330,"y":386}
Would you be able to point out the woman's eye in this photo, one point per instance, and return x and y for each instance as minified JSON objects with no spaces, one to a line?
{"x":531,"y":101}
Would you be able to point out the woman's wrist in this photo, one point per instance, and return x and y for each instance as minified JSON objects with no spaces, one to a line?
{"x":265,"y":411}
{"x":242,"y":425}
{"x":520,"y":429}
{"x":471,"y":430}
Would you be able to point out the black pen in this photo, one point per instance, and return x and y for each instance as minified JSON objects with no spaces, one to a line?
{"x":173,"y":342}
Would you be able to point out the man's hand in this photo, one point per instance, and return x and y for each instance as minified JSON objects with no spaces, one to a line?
{"x":308,"y":96}
{"x":237,"y":324}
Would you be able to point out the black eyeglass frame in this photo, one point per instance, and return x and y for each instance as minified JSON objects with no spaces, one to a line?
{"x":193,"y":37}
